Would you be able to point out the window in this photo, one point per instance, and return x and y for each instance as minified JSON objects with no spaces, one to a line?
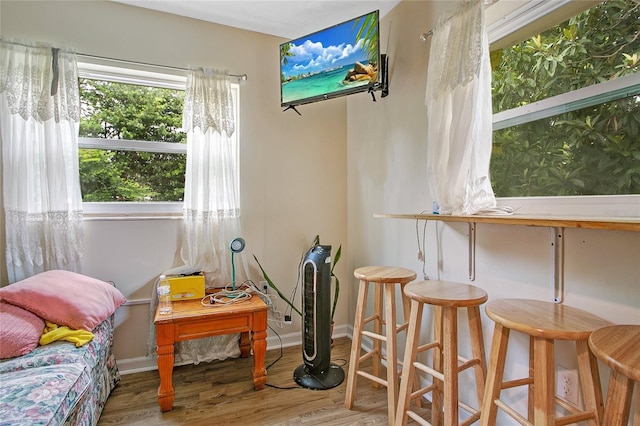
{"x":567,"y":107}
{"x":132,"y":148}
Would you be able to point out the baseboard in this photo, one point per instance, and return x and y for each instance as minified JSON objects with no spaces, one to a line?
{"x":136,"y":365}
{"x":140,"y":364}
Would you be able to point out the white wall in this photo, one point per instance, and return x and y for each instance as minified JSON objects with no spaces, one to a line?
{"x":386,"y":160}
{"x":293,"y":169}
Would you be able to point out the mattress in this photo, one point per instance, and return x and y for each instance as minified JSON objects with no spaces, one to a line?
{"x":59,"y":383}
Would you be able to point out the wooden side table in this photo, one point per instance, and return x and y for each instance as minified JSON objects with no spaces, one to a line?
{"x":191,"y":320}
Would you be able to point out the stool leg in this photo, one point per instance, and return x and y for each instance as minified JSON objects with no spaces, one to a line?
{"x":636,"y":413}
{"x":392,"y":351}
{"x":410,"y":355}
{"x":543,"y":382}
{"x":616,"y":410}
{"x":437,"y":393}
{"x":377,"y":329}
{"x":530,"y":393}
{"x":406,"y":311}
{"x":356,"y":344}
{"x":450,"y":356}
{"x":590,"y":380}
{"x":477,"y":348}
{"x":497,"y":359}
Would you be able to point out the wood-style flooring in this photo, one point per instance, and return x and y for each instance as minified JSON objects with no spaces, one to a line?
{"x":221,"y":393}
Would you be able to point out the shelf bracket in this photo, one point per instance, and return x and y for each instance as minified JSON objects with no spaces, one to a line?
{"x":557,"y":273}
{"x":472,"y":251}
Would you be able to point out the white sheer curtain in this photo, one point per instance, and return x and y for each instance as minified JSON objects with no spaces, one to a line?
{"x":39,"y":122}
{"x":458,"y":99}
{"x":211,"y":215}
{"x":211,"y":208}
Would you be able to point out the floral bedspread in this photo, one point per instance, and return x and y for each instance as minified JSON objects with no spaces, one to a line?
{"x":59,"y":383}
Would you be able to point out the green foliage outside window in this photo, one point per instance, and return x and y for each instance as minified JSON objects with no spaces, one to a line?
{"x":592,"y":151}
{"x":124,"y":111}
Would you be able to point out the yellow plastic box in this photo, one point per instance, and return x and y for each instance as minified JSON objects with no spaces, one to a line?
{"x":186,"y":288}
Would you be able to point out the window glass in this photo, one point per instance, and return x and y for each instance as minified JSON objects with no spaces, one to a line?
{"x":573,"y":147}
{"x":593,"y":149}
{"x":132,"y":147}
{"x":117,"y":175}
{"x":116,"y":112}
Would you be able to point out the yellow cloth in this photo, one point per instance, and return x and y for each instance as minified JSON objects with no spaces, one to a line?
{"x":53,"y":332}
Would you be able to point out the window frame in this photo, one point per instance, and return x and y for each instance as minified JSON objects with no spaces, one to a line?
{"x":608,"y":91}
{"x":509,"y":22}
{"x":140,"y":74}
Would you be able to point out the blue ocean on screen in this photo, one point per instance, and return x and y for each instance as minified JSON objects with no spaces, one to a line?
{"x":326,"y":82}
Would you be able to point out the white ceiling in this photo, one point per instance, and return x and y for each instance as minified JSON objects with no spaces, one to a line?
{"x":288,"y":19}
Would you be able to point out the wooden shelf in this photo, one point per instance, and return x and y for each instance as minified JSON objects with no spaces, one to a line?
{"x":609,"y":223}
{"x":556,"y":225}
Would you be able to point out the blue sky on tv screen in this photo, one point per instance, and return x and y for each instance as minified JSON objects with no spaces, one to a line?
{"x":327,"y":49}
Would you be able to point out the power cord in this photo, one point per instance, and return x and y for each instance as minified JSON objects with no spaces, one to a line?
{"x":229,"y":297}
{"x":274,"y":362}
{"x":343,"y":363}
{"x":224,"y":298}
{"x":422,"y":257}
{"x":496,"y":211}
{"x":292,"y":297}
{"x":268,"y":299}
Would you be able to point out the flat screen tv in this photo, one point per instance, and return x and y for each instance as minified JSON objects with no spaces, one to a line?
{"x":337,"y":61}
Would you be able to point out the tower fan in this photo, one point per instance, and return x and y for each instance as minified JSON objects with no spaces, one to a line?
{"x":317,"y":372}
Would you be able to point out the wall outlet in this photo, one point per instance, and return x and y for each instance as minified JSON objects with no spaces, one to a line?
{"x":567,"y":384}
{"x":264,"y":286}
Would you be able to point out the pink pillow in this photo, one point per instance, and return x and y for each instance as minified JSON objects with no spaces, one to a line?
{"x":20,"y":331}
{"x":65,"y":298}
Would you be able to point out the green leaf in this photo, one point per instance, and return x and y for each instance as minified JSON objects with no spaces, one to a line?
{"x":273,"y":286}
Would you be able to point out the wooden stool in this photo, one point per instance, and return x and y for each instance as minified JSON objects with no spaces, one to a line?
{"x":619,"y":347}
{"x":446,"y":297}
{"x":544,"y":322}
{"x":385,"y":278}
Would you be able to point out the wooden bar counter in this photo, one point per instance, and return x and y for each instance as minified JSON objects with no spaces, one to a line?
{"x":586,"y":222}
{"x":555,"y":223}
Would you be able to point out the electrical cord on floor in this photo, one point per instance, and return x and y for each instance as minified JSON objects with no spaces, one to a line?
{"x":276,"y":360}
{"x":344,"y":362}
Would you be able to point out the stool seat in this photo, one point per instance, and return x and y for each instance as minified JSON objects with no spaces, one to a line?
{"x":618,"y":346}
{"x":544,"y":319}
{"x":385,"y":274}
{"x":445,"y":293}
{"x":544,"y":322}
{"x":445,"y":298}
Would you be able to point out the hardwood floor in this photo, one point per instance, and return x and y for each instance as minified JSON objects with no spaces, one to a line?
{"x":222,"y":392}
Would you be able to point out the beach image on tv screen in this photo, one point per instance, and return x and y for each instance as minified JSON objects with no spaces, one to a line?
{"x":340,"y":58}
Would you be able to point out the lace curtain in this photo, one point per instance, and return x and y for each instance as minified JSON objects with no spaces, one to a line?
{"x":458,"y":99}
{"x":210,"y":199}
{"x":39,"y":122}
{"x":211,"y":210}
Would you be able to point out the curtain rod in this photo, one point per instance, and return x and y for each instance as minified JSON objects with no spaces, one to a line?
{"x":242,"y":77}
{"x":423,"y":36}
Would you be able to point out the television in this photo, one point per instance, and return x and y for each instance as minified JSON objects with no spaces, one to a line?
{"x":336,"y":61}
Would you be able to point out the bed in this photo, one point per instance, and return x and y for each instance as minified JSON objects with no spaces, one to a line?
{"x":61,"y":382}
